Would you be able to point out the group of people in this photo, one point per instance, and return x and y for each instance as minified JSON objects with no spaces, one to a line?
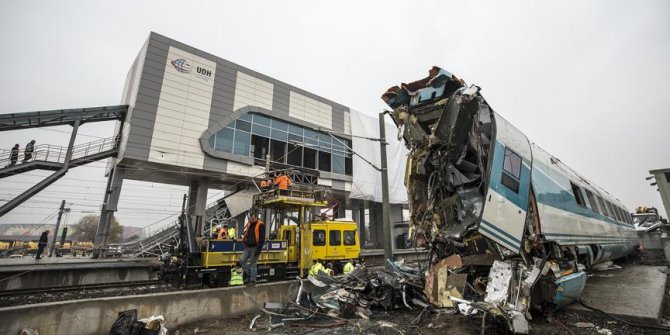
{"x":280,"y":182}
{"x":223,"y":232}
{"x":319,"y":268}
{"x":27,"y":153}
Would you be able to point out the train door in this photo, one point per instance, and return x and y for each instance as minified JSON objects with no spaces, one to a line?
{"x":506,"y":202}
{"x":288,"y":235}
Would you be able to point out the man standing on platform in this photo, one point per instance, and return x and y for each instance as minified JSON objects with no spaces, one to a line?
{"x":253,"y":239}
{"x":44,"y":239}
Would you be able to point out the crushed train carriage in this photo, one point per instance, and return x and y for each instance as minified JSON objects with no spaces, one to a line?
{"x":509,"y":226}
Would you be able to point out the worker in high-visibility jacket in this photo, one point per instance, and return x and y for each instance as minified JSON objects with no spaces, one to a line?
{"x":348,"y":268}
{"x":283,"y":182}
{"x":236,"y":275}
{"x":232,"y":233}
{"x":222,"y":232}
{"x":316,"y":268}
{"x":264,"y":185}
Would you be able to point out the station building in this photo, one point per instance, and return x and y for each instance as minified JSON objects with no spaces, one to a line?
{"x":198,"y":120}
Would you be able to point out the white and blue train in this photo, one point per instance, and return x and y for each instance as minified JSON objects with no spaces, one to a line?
{"x":478,"y":187}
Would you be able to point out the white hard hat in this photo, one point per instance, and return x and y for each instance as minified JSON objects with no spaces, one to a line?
{"x":218,"y":226}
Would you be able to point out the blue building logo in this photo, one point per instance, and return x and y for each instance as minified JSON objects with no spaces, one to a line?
{"x":181,"y":65}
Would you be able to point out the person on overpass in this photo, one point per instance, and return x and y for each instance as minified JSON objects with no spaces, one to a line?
{"x":14,"y":155}
{"x":253,"y":239}
{"x":236,"y":275}
{"x":44,"y":239}
{"x":232,"y":233}
{"x":28,"y":152}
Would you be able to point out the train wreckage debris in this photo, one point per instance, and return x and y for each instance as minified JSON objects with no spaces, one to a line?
{"x":502,"y":236}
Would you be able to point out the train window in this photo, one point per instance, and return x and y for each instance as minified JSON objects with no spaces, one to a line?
{"x":511,"y":170}
{"x":349,"y":237}
{"x":512,"y":164}
{"x":620,"y":212}
{"x":319,"y":238}
{"x":579,"y":197}
{"x":602,"y":206}
{"x":609,"y":209}
{"x":592,"y":200}
{"x":335,"y":238}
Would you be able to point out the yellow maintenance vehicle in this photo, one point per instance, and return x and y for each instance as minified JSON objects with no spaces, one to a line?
{"x":299,"y":235}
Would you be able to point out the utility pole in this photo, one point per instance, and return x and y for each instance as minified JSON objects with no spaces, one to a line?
{"x":387,"y":238}
{"x":60,"y":216}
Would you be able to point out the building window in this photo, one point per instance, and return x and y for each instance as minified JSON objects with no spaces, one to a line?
{"x":335,"y":238}
{"x":309,"y":158}
{"x":242,"y":143}
{"x":338,"y":164}
{"x":319,"y":238}
{"x":278,"y":151}
{"x":294,"y":155}
{"x":224,"y":140}
{"x":324,"y":161}
{"x":260,"y":146}
{"x":255,"y":135}
{"x":349,"y":237}
{"x":579,"y":197}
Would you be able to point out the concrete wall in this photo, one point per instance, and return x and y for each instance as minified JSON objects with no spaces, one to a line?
{"x":96,"y":316}
{"x":650,"y":241}
{"x":67,"y":277}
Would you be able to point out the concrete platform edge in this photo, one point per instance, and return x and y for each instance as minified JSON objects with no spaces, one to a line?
{"x":96,"y":316}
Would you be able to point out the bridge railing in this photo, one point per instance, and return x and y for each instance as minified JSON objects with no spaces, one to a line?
{"x":56,"y":154}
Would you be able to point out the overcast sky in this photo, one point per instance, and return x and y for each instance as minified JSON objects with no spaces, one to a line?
{"x":589,"y":81}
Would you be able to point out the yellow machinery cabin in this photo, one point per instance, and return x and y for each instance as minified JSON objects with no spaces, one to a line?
{"x":294,"y":244}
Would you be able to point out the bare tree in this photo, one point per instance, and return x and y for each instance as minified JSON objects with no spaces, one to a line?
{"x":87,"y":227}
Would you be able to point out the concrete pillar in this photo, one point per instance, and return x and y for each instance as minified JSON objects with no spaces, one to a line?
{"x":662,"y":177}
{"x":109,"y":206}
{"x":197,"y":204}
{"x":358,"y":214}
{"x":396,"y":223}
{"x":376,"y":224}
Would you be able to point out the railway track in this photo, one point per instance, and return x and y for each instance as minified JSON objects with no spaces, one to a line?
{"x":74,"y":288}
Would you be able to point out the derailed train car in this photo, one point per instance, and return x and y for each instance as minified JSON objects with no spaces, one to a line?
{"x":519,"y":227}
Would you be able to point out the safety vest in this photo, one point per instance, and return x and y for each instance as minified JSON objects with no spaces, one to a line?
{"x":232,"y":233}
{"x":316,"y":268}
{"x":257,"y":231}
{"x":348,"y":268}
{"x":236,"y":278}
{"x":264,"y":183}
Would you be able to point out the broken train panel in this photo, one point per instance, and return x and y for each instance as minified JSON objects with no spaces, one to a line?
{"x":516,"y":218}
